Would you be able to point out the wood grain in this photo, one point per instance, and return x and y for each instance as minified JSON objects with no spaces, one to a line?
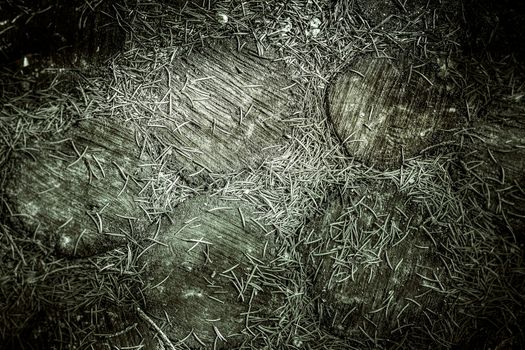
{"x":193,"y":271}
{"x":79,"y":194}
{"x":224,"y":110}
{"x":367,"y":274}
{"x":494,"y":151}
{"x":385,"y":110}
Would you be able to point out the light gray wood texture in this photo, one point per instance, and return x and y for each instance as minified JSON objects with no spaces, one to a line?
{"x":198,"y":275}
{"x":79,"y":193}
{"x":385,"y":110}
{"x":224,"y":110}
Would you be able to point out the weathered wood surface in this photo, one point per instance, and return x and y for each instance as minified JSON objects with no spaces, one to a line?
{"x":498,"y":141}
{"x":384,"y":110}
{"x":375,"y":273}
{"x":495,"y":153}
{"x":224,"y":110}
{"x":84,"y":193}
{"x":200,"y":281}
{"x":79,"y":193}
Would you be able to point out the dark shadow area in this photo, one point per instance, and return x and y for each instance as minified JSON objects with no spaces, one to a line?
{"x":494,"y":28}
{"x":65,"y":32}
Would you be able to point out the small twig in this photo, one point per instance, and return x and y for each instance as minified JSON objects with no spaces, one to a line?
{"x":163,"y":335}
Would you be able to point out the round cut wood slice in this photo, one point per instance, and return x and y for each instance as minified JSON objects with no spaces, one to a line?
{"x":385,"y":110}
{"x":376,"y":277}
{"x":202,"y":272}
{"x":224,"y":110}
{"x":80,"y":194}
{"x":495,"y":155}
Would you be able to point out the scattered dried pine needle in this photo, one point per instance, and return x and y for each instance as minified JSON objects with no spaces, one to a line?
{"x":477,"y":244}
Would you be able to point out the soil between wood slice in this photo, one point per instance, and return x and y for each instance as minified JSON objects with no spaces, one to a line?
{"x":225,"y":109}
{"x":374,"y":275}
{"x":79,"y":193}
{"x":200,"y":273}
{"x":385,"y":111}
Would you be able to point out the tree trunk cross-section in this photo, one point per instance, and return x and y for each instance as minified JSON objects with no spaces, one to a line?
{"x":386,"y":110}
{"x":201,"y":272}
{"x":224,"y":110}
{"x":80,"y":193}
{"x":376,"y":276}
{"x":496,"y":152}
